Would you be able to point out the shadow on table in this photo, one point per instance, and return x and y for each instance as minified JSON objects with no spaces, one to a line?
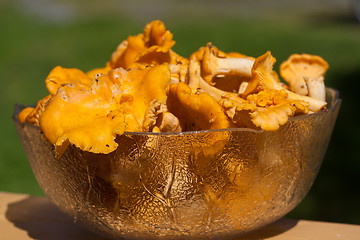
{"x":271,"y":230}
{"x":43,"y":221}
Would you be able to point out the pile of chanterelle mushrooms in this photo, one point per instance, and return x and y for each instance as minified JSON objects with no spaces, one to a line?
{"x":146,"y":86}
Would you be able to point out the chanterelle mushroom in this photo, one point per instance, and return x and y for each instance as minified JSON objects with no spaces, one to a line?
{"x":305,"y":74}
{"x":195,"y":111}
{"x":93,"y":73}
{"x":215,"y":63}
{"x":168,"y":122}
{"x":274,"y":108}
{"x":198,"y":84}
{"x":153,"y":46}
{"x":89,"y":119}
{"x":59,"y":76}
{"x":146,"y":86}
{"x":267,"y":110}
{"x":32,"y":115}
{"x":262,"y":79}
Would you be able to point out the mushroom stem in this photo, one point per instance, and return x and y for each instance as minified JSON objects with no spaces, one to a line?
{"x":198,"y":84}
{"x":242,"y":87}
{"x":263,"y":79}
{"x":299,"y":87}
{"x":316,"y":87}
{"x":227,"y":66}
{"x":297,"y":66}
{"x":236,"y":66}
{"x":178,"y":72}
{"x":315,"y":104}
{"x":168,"y":122}
{"x":214,"y":63}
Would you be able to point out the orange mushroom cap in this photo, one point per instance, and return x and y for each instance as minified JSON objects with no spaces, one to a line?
{"x":31,"y":115}
{"x":195,"y":111}
{"x":59,"y":76}
{"x":226,"y":71}
{"x":85,"y":118}
{"x":151,"y":47}
{"x":90,"y":118}
{"x":300,"y":66}
{"x":274,"y":108}
{"x":263,"y":79}
{"x":146,"y":86}
{"x":93,"y":73}
{"x":262,"y":75}
{"x":24,"y":113}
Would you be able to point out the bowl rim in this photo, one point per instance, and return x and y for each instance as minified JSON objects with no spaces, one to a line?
{"x":333,"y":100}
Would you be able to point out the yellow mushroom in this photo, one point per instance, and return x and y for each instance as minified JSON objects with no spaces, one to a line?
{"x":305,"y":74}
{"x":125,"y":54}
{"x":153,"y":46}
{"x":89,"y":119}
{"x":214,"y":63}
{"x":168,"y":122}
{"x":238,"y":109}
{"x":31,"y":115}
{"x":227,"y":100}
{"x":152,"y":113}
{"x":25,"y":113}
{"x":178,"y":68}
{"x":195,"y":111}
{"x":316,"y":87}
{"x":146,"y":86}
{"x":242,"y":87}
{"x":198,"y":84}
{"x":94,"y":73}
{"x":274,"y":109}
{"x":59,"y":76}
{"x":262,"y":79}
{"x":226,"y":71}
{"x":267,"y":110}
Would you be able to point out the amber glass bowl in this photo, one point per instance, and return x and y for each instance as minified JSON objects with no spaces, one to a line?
{"x":185,"y":185}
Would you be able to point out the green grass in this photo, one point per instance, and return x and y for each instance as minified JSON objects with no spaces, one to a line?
{"x":30,"y":47}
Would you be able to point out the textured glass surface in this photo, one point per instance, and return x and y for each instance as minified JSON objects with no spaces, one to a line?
{"x":188,"y":185}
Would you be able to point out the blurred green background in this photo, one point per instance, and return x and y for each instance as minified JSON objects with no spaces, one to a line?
{"x":37,"y":35}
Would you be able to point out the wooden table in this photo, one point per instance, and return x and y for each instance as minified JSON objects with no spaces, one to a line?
{"x":24,"y":217}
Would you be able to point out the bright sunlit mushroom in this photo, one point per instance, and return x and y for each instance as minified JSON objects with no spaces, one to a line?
{"x":262,"y":79}
{"x":146,"y":86}
{"x":195,"y":111}
{"x":305,"y":74}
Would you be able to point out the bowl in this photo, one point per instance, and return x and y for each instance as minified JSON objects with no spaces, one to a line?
{"x":203,"y":184}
